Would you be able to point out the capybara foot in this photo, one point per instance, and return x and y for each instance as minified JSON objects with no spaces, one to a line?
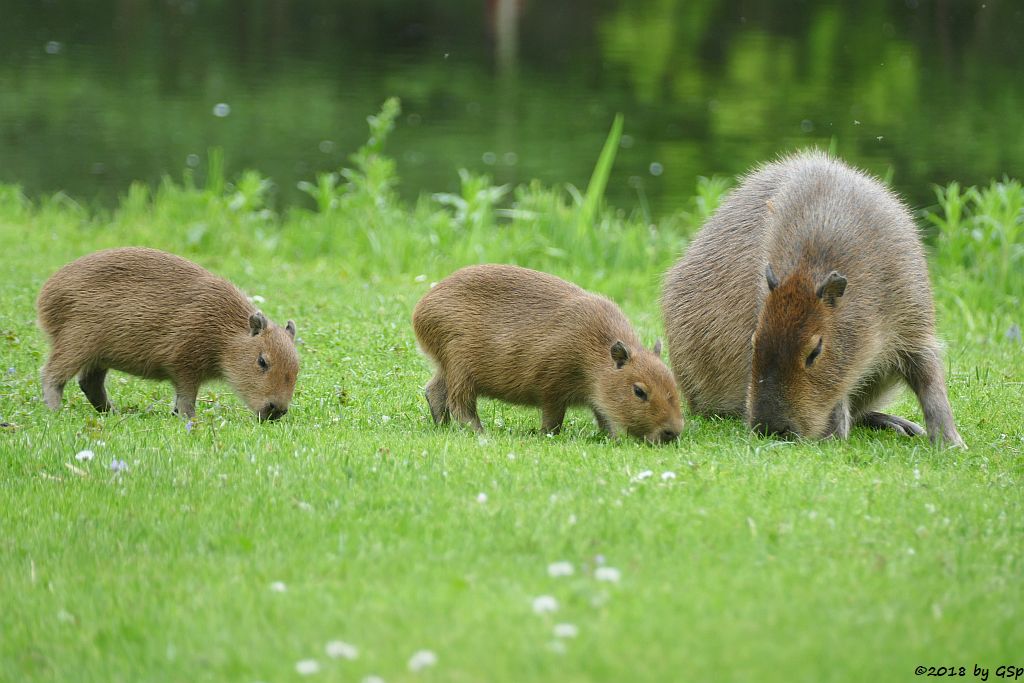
{"x":897,"y":424}
{"x":185,"y":407}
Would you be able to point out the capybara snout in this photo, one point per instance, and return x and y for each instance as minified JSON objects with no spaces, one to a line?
{"x":265,"y":375}
{"x":643,"y":401}
{"x":159,"y":316}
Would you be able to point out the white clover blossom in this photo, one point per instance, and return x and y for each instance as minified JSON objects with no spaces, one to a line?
{"x":84,"y":456}
{"x":307,"y":667}
{"x":563,"y":568}
{"x":421,"y":660}
{"x":566,"y":631}
{"x":544,"y":604}
{"x":339,"y":649}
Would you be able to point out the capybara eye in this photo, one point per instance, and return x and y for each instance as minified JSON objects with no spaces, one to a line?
{"x":814,"y":354}
{"x":263,"y":362}
{"x":639,"y":391}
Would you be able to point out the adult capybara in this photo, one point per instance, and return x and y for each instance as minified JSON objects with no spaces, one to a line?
{"x":531,"y":338}
{"x":802,"y":303}
{"x":152,"y":314}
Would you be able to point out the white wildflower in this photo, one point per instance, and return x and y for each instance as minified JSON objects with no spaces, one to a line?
{"x":646,"y":474}
{"x":556,"y":569}
{"x":84,"y":456}
{"x":566,"y":631}
{"x":339,"y":649}
{"x":609,"y":574}
{"x":668,"y":475}
{"x":307,"y":667}
{"x":422,"y":660}
{"x":278,"y":587}
{"x":544,"y":604}
{"x":481,"y":497}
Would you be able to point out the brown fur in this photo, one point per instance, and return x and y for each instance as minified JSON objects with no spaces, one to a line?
{"x":530,"y":338}
{"x":765,"y":281}
{"x":159,"y":316}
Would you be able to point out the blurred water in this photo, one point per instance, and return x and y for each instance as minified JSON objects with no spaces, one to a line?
{"x":94,"y":95}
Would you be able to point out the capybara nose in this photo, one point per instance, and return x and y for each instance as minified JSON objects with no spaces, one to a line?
{"x":669,"y":435}
{"x":772,"y":428}
{"x":272,"y":412}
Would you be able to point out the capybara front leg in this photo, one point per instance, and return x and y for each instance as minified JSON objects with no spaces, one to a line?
{"x":466,"y":413}
{"x":603,"y":423}
{"x":839,"y":421}
{"x":437,"y":398}
{"x":91,"y":383}
{"x":462,"y":400}
{"x":875,"y":420}
{"x":552,"y":416}
{"x":926,"y":378}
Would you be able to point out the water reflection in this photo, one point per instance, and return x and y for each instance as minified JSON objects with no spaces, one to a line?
{"x":94,"y":95}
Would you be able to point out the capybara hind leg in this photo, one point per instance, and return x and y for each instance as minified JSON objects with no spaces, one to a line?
{"x":437,"y":397}
{"x":552,"y":416}
{"x":52,"y":392}
{"x":58,"y":370}
{"x":91,"y":383}
{"x":898,"y":424}
{"x":925,"y":376}
{"x":185,"y":399}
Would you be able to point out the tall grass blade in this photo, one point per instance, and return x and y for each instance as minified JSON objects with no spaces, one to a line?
{"x":599,"y":178}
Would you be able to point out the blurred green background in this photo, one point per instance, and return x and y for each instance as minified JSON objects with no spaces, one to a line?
{"x":94,"y":95}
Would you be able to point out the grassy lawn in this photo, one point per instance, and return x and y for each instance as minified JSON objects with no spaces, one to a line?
{"x":231,"y":550}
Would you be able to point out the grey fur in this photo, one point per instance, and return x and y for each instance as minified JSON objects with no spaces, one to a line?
{"x":814,"y":216}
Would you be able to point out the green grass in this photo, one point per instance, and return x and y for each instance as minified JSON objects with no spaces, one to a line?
{"x":760,"y":560}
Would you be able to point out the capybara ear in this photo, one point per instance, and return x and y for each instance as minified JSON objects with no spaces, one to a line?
{"x":773,"y":281}
{"x":290,"y":328}
{"x":657,"y":348}
{"x":832,"y":288}
{"x":257,"y":323}
{"x":619,"y":354}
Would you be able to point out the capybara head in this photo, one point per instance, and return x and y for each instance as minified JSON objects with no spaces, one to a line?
{"x":263,"y":366}
{"x":638,"y":394}
{"x":797,"y":379}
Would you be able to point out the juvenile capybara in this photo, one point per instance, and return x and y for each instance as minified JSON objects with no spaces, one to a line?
{"x":533,"y":339}
{"x":802,"y":303}
{"x":152,"y":314}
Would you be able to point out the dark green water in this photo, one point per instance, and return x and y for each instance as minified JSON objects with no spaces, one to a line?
{"x":94,"y":95}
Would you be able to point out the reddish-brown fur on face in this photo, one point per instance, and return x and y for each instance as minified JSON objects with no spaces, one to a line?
{"x":533,"y":339}
{"x":152,"y":314}
{"x":788,"y":395}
